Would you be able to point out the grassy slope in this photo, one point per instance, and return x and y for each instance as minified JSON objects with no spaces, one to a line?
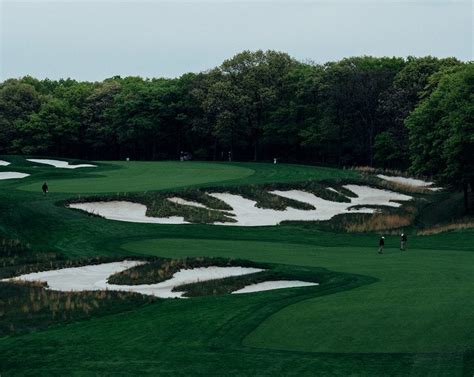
{"x":113,"y":177}
{"x":414,"y":320}
{"x":432,"y":284}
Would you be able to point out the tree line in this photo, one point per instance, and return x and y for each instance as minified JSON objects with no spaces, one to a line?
{"x":384,"y":112}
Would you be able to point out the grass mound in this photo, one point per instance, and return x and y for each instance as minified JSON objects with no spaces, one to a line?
{"x":232,"y":284}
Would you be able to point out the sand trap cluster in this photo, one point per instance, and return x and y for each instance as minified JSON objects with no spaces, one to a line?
{"x":409,"y":181}
{"x":12,"y":175}
{"x":60,"y":164}
{"x":274,"y":284}
{"x":125,"y":211}
{"x":246,"y":213}
{"x":4,"y":163}
{"x":94,"y":277}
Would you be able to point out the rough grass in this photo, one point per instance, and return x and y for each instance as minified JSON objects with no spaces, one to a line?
{"x":371,"y":172}
{"x":263,"y":198}
{"x":158,"y":204}
{"x":160,"y":269}
{"x":387,"y":219}
{"x":234,"y":283}
{"x":446,"y":228}
{"x":28,"y":306}
{"x":40,"y":261}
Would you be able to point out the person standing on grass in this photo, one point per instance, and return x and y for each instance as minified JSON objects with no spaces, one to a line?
{"x":381,"y":244}
{"x":403,"y":241}
{"x":45,"y":188}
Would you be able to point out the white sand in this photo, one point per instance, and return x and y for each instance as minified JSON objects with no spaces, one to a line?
{"x":125,"y":211}
{"x":275,"y":284}
{"x":94,"y":277}
{"x":247,"y":214}
{"x":4,"y":163}
{"x":374,"y":196}
{"x":85,"y":278}
{"x":12,"y":175}
{"x":165,"y":288}
{"x":60,"y":164}
{"x":185,"y":202}
{"x":409,"y":182}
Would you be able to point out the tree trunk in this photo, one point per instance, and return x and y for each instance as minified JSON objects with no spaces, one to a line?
{"x":255,"y":149}
{"x":154,"y":149}
{"x":214,"y":155}
{"x":466,"y":198}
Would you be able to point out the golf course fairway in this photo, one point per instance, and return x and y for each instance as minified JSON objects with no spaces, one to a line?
{"x":404,"y":313}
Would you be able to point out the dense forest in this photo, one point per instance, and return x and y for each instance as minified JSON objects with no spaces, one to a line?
{"x":383,"y":112}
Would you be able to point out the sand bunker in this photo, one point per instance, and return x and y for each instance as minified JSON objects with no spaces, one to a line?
{"x":275,"y":284}
{"x":185,"y":202}
{"x":12,"y":175}
{"x":60,"y":164}
{"x":247,"y":214}
{"x":4,"y":163}
{"x":94,"y":277}
{"x":409,"y":181}
{"x":85,"y":278}
{"x":125,"y":211}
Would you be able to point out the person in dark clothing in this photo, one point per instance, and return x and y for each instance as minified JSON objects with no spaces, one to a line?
{"x":381,"y":244}
{"x":44,"y":188}
{"x":403,"y":241}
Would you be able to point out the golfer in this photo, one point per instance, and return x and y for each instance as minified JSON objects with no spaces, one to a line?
{"x":381,"y":244}
{"x":44,"y":188}
{"x":403,"y":241}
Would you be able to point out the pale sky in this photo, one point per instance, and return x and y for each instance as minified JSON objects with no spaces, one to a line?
{"x":88,"y":40}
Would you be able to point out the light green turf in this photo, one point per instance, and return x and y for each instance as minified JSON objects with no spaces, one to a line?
{"x":421,"y":303}
{"x":118,"y":176}
{"x":143,"y":176}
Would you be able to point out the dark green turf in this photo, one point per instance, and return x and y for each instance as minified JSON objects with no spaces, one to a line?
{"x":407,"y":314}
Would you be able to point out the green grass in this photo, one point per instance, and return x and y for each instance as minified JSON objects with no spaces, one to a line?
{"x":397,"y":314}
{"x":113,"y":177}
{"x":144,"y":176}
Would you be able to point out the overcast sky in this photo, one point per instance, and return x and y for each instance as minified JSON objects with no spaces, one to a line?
{"x":89,"y":40}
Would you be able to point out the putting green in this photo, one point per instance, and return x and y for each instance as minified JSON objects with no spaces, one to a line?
{"x":421,"y":303}
{"x":143,"y":176}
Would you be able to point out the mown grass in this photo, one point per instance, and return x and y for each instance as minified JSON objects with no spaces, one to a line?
{"x":421,"y":302}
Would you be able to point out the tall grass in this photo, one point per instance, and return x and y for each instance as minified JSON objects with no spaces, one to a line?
{"x":28,"y":306}
{"x":380,"y":221}
{"x":162,"y":269}
{"x":446,"y":228}
{"x":371,"y":171}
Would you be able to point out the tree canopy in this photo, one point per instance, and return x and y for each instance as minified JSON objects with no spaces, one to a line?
{"x":442,"y":130}
{"x":386,"y":112}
